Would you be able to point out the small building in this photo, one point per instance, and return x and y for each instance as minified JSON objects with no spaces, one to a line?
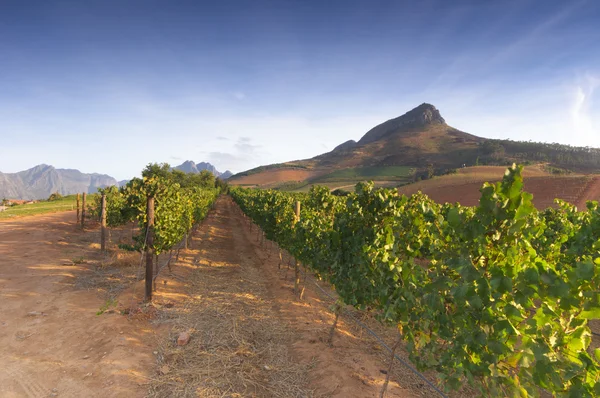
{"x":2,"y":208}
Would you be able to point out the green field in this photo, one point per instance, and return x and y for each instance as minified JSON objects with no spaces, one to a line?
{"x":375,"y":173}
{"x":64,"y":204}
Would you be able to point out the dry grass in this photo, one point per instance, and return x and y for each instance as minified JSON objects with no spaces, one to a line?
{"x":108,"y":282}
{"x":122,"y":259}
{"x":238,"y":348}
{"x":111,"y":274}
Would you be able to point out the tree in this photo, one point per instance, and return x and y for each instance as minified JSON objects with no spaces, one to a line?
{"x":221,"y":184}
{"x":54,"y":196}
{"x":157,"y":170}
{"x":430,"y":171}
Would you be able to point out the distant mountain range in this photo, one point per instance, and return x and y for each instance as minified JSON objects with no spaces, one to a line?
{"x":191,"y":167}
{"x":41,"y":181}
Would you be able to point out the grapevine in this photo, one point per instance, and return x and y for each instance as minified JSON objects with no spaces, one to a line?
{"x":498,"y":295}
{"x":177,"y":209}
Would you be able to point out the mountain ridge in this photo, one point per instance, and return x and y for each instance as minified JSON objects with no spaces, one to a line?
{"x":189,"y":166}
{"x":40,"y":181}
{"x":421,"y":140}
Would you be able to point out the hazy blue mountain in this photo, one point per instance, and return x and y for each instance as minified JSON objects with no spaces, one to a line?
{"x":42,"y":180}
{"x":190,"y":167}
{"x":226,"y":175}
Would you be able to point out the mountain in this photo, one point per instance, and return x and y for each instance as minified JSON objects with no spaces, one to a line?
{"x":191,"y":167}
{"x":416,"y":145}
{"x":42,"y":180}
{"x":419,"y":118}
{"x":226,"y":175}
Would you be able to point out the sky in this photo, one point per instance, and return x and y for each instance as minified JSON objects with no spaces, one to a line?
{"x":111,"y":85}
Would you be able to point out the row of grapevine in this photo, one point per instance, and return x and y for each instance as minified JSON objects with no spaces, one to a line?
{"x":497,"y":295}
{"x":177,"y":209}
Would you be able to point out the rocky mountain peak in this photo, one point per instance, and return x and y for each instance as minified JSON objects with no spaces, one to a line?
{"x":419,"y":117}
{"x":187,"y":167}
{"x":191,"y":167}
{"x":425,"y":114}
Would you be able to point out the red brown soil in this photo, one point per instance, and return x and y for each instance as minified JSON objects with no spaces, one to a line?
{"x":573,"y":189}
{"x":52,"y":340}
{"x":64,"y":348}
{"x":270,"y":177}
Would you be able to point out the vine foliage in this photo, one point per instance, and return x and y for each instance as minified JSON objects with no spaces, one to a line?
{"x":498,"y":295}
{"x":176,"y":209}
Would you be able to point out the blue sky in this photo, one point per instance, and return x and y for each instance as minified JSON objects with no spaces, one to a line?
{"x":111,"y":85}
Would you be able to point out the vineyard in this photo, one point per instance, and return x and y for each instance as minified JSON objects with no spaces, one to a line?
{"x":493,"y":300}
{"x":498,"y":295}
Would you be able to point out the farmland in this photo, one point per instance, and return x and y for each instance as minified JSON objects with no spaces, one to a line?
{"x":65,"y":203}
{"x":464,"y":186}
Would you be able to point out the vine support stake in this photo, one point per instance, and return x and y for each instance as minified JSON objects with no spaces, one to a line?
{"x":296,"y":277}
{"x":83,"y":210}
{"x":149,"y":243}
{"x":304,"y":283}
{"x":337,"y":309}
{"x":296,"y":263}
{"x":78,"y":208}
{"x":392,"y":356}
{"x":280,"y":260}
{"x":103,"y":224}
{"x":297,"y":210}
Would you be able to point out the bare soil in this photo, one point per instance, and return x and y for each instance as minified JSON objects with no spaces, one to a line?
{"x":270,"y":177}
{"x":465,"y":189}
{"x":52,"y":340}
{"x":250,"y":336}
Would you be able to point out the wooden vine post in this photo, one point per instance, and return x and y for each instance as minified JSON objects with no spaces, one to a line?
{"x":83,"y":210}
{"x":78,"y":198}
{"x":296,"y":263}
{"x":149,"y":251}
{"x":392,"y":356}
{"x":103,"y":224}
{"x":337,"y":308}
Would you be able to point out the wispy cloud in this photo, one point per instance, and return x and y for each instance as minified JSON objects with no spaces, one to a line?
{"x":582,"y":105}
{"x":244,"y":153}
{"x":238,"y":95}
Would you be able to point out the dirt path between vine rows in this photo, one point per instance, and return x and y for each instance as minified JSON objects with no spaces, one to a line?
{"x":250,"y":337}
{"x":248,"y":328}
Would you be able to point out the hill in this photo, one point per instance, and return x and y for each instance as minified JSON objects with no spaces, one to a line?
{"x":41,"y":181}
{"x":411,"y":147}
